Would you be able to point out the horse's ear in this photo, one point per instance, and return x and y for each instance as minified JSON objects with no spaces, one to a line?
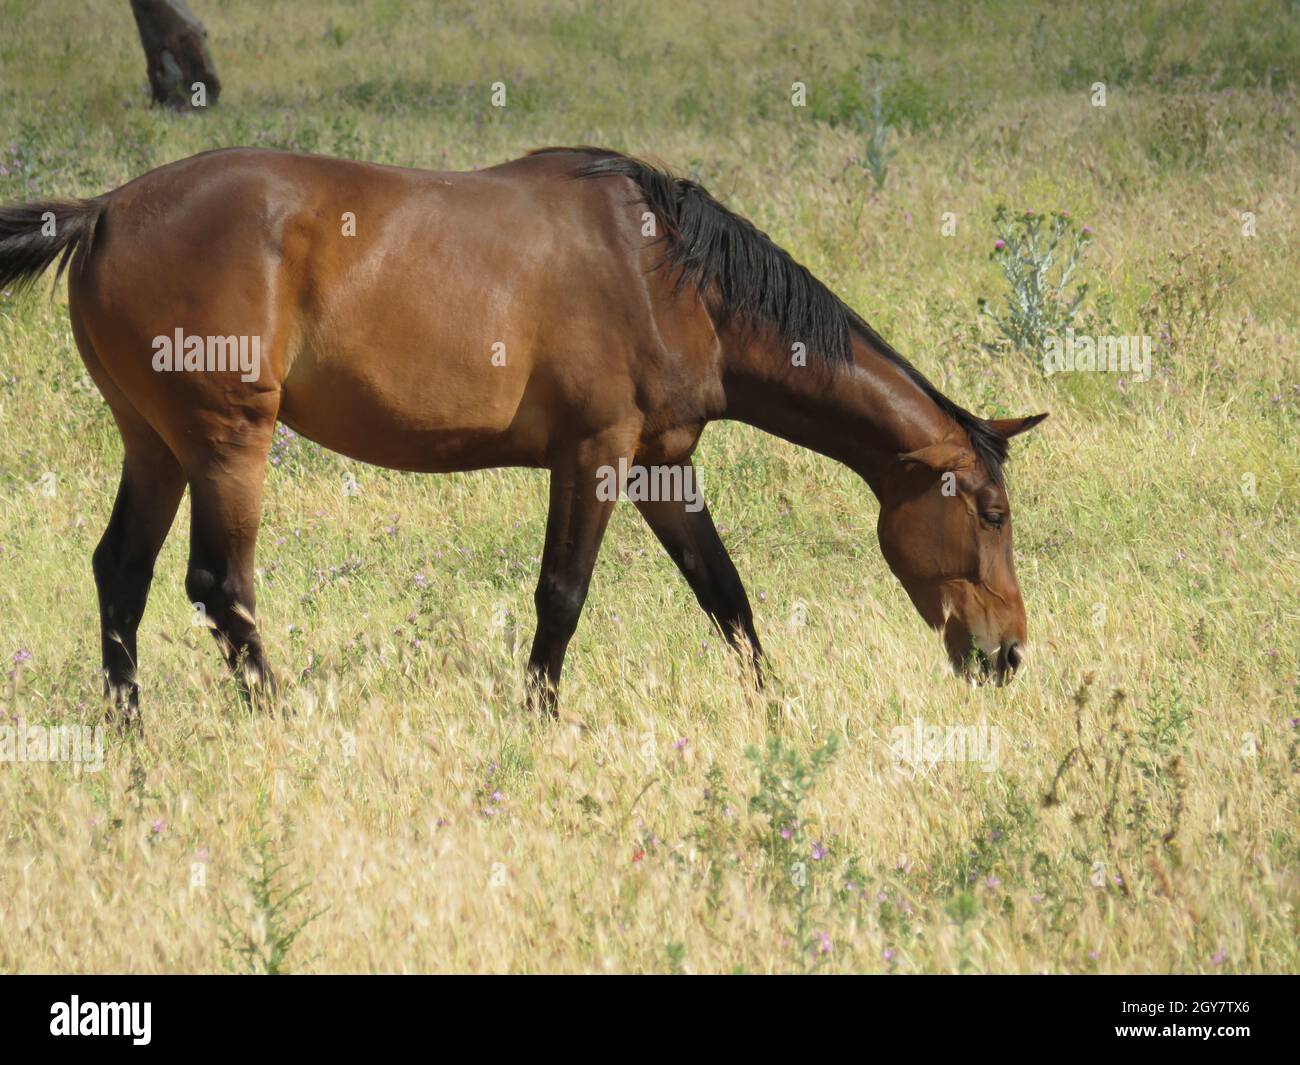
{"x":1009,"y":427}
{"x":940,"y":457}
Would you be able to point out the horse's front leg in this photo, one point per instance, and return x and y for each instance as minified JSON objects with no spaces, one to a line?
{"x":686,"y":530}
{"x":581,"y":504}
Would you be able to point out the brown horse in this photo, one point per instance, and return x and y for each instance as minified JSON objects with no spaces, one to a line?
{"x":575,"y":310}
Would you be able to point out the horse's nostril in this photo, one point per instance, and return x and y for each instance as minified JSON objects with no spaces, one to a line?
{"x":1014,"y":655}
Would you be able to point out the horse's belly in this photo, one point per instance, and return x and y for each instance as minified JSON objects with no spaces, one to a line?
{"x":415,"y":413}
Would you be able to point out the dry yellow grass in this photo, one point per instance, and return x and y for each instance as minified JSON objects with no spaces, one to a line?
{"x":431,"y":825}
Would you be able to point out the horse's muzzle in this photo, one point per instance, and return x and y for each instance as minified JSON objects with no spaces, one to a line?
{"x":1008,"y":661}
{"x":1000,"y":668}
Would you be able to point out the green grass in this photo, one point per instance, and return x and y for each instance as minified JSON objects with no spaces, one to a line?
{"x":424,"y":821}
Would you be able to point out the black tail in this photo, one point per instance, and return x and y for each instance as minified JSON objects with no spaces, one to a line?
{"x":33,"y":234}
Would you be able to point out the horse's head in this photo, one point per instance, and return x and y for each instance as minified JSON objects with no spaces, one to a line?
{"x":945,"y":530}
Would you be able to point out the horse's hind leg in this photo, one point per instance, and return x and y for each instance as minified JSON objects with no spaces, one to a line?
{"x":226,"y":501}
{"x":147,"y":498}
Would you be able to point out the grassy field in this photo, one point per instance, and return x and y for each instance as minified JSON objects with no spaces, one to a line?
{"x":1141,"y":812}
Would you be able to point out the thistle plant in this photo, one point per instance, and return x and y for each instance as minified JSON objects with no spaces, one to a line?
{"x":876,"y":158}
{"x":1038,"y":257}
{"x":259,"y":937}
{"x":714,"y":834}
{"x":873,"y":120}
{"x":786,"y":779}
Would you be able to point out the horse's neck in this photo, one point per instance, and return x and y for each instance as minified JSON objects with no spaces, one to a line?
{"x":863,"y":415}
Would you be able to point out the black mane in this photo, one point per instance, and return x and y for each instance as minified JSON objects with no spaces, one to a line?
{"x":708,"y":245}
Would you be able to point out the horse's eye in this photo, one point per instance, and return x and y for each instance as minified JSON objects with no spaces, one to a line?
{"x":994,"y":518}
